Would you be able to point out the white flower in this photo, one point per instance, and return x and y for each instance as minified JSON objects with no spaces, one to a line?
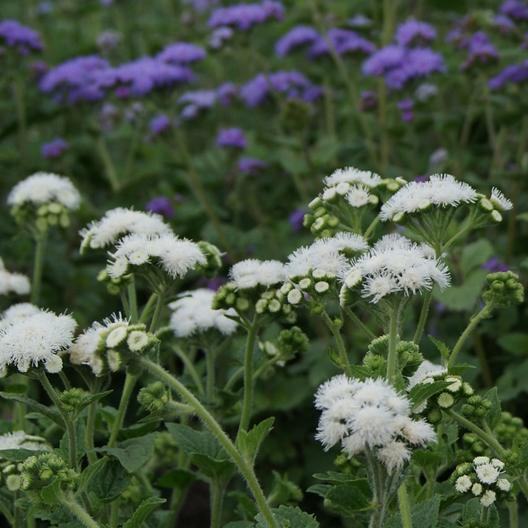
{"x":42,"y":188}
{"x":499,"y":200}
{"x":463,"y":484}
{"x":394,"y":455}
{"x":442,"y":190}
{"x":116,"y":336}
{"x":337,"y":388}
{"x":295,"y":296}
{"x":321,"y":286}
{"x":476,"y":489}
{"x":12,"y":282}
{"x":333,"y":425}
{"x":499,"y":464}
{"x":425,"y":370}
{"x":137,"y":340}
{"x":28,"y":341}
{"x":193,"y":313}
{"x":487,"y":474}
{"x":488,"y":498}
{"x":418,"y":432}
{"x":504,"y":484}
{"x":174,"y":255}
{"x":396,"y":264}
{"x":477,"y":461}
{"x":21,"y":440}
{"x":17,"y":311}
{"x":250,"y":273}
{"x":352,"y":175}
{"x":326,"y":255}
{"x":119,"y":222}
{"x":358,"y":196}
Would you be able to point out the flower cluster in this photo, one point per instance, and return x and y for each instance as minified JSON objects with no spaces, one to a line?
{"x":369,"y":415}
{"x":42,"y":470}
{"x":104,"y":347}
{"x":503,"y":288}
{"x":245,"y":16}
{"x":21,"y":38}
{"x":483,"y":478}
{"x":12,"y":282}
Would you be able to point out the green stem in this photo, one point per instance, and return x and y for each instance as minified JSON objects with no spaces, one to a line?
{"x":132,"y":301}
{"x":513,"y":511}
{"x":70,"y":430}
{"x":422,"y":320}
{"x":244,"y":467}
{"x":353,"y":317}
{"x":405,"y":506}
{"x":392,"y":356}
{"x":189,"y":367}
{"x":247,"y":401}
{"x":473,"y":323}
{"x":40,"y":248}
{"x":147,"y":308}
{"x":160,"y":299}
{"x":210,"y":375}
{"x":371,"y":227}
{"x":78,"y":511}
{"x":90,"y":432}
{"x":110,"y":170}
{"x":180,"y":408}
{"x":217,"y":491}
{"x":340,"y":344}
{"x":128,"y":389}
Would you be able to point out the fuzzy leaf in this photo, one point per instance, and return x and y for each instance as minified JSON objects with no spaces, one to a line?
{"x":495,"y":411}
{"x":290,"y":517}
{"x":50,"y":413}
{"x":347,"y":499}
{"x":249,"y":441}
{"x":106,"y":479}
{"x":424,"y":391}
{"x":133,"y":453}
{"x":143,"y":511}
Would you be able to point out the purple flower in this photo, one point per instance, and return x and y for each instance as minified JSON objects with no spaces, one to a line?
{"x":159,"y":124}
{"x":480,"y":51}
{"x":182,"y":53}
{"x":219,"y":36}
{"x":359,"y":21}
{"x":368,"y":101}
{"x":494,"y":264}
{"x":515,"y":73}
{"x":201,"y":6}
{"x":231,"y":138}
{"x":76,"y":79}
{"x":108,"y":40}
{"x":342,"y":41}
{"x":293,"y":84}
{"x":199,"y":100}
{"x":515,"y":9}
{"x":249,"y":165}
{"x":296,"y":37}
{"x":504,"y":23}
{"x":161,"y":205}
{"x":384,"y":60}
{"x":38,"y":68}
{"x":296,"y":219}
{"x":414,"y":32}
{"x":406,"y":107}
{"x":245,"y":16}
{"x":22,"y":38}
{"x":54,"y":149}
{"x":215,"y":282}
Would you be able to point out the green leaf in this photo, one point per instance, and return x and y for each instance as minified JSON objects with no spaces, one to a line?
{"x":50,"y":413}
{"x":423,"y":391}
{"x":515,"y":343}
{"x":441,"y":347}
{"x":513,"y":381}
{"x":175,"y":478}
{"x":249,"y":441}
{"x":207,"y":453}
{"x":292,"y":161}
{"x":94,"y":397}
{"x":289,"y":517}
{"x":494,"y":413}
{"x":347,"y":499}
{"x":106,"y":479}
{"x":143,"y":511}
{"x":17,"y":455}
{"x":464,"y":297}
{"x":50,"y":494}
{"x":134,"y":453}
{"x":475,"y":254}
{"x":424,"y":514}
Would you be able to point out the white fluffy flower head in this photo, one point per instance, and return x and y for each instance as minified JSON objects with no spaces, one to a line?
{"x":500,"y":201}
{"x":193,"y":313}
{"x":16,"y":312}
{"x":351,"y":175}
{"x":21,"y":440}
{"x":12,"y":282}
{"x":43,"y":188}
{"x":119,"y":222}
{"x":35,"y":339}
{"x":251,"y":273}
{"x":442,"y":190}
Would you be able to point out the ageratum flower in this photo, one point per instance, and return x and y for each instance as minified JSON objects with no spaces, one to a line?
{"x":21,"y":440}
{"x":480,"y":50}
{"x":22,"y":38}
{"x":394,"y":265}
{"x":193,"y":313}
{"x":341,"y":41}
{"x":296,"y":37}
{"x":406,"y":107}
{"x":231,"y":138}
{"x":413,"y":32}
{"x":504,"y":24}
{"x":175,"y":256}
{"x":17,"y":311}
{"x":45,"y":188}
{"x":371,"y":415}
{"x":219,"y":36}
{"x":515,"y":9}
{"x":249,"y":165}
{"x":181,"y":53}
{"x":293,"y":84}
{"x":12,"y":282}
{"x":245,"y":16}
{"x":36,"y":339}
{"x":159,"y":124}
{"x":160,"y":205}
{"x":54,"y":149}
{"x":251,"y":273}
{"x":196,"y":101}
{"x":514,"y":74}
{"x":119,"y":222}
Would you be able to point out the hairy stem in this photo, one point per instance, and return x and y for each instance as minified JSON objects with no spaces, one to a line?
{"x":247,"y":401}
{"x":357,"y":321}
{"x":132,"y":301}
{"x":189,"y":367}
{"x":78,"y":511}
{"x":217,"y":492}
{"x":405,"y":506}
{"x":392,"y":355}
{"x":424,"y":313}
{"x":40,"y":248}
{"x":128,"y":389}
{"x":340,"y":344}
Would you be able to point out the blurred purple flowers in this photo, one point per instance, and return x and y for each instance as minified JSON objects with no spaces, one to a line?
{"x":22,"y":38}
{"x":515,"y":9}
{"x":245,"y":16}
{"x":406,"y":107}
{"x":182,"y":53}
{"x":515,"y":74}
{"x":296,"y":219}
{"x":54,"y":149}
{"x":413,"y":32}
{"x":297,"y":36}
{"x":196,"y":101}
{"x":494,"y":264}
{"x":249,"y":165}
{"x":231,"y":138}
{"x":480,"y":50}
{"x":161,"y":205}
{"x":159,"y":124}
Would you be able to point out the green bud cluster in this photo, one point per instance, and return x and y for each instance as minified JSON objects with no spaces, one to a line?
{"x":43,"y":469}
{"x":314,"y":286}
{"x":347,"y":465}
{"x":409,"y":356}
{"x":154,"y":397}
{"x":73,"y":400}
{"x":10,"y":475}
{"x":476,"y":407}
{"x":291,"y":342}
{"x":503,"y":289}
{"x":274,"y":302}
{"x":43,"y":217}
{"x":113,"y":284}
{"x":229,"y":296}
{"x":510,"y":430}
{"x":213,"y":256}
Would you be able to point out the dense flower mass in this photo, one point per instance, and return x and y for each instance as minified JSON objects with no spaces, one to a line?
{"x":414,"y":32}
{"x":54,"y":149}
{"x":369,"y":415}
{"x":196,"y":101}
{"x":231,"y":138}
{"x":38,"y":338}
{"x":192,"y":313}
{"x":22,"y":38}
{"x":395,"y":264}
{"x":252,"y":272}
{"x":182,"y":53}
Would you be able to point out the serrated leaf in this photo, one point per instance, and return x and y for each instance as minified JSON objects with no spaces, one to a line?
{"x":349,"y":498}
{"x":50,"y":494}
{"x":290,"y":517}
{"x":106,"y":479}
{"x":441,"y":347}
{"x":50,"y":413}
{"x":142,"y":512}
{"x":249,"y":442}
{"x":320,"y":489}
{"x":423,"y":391}
{"x":134,"y":453}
